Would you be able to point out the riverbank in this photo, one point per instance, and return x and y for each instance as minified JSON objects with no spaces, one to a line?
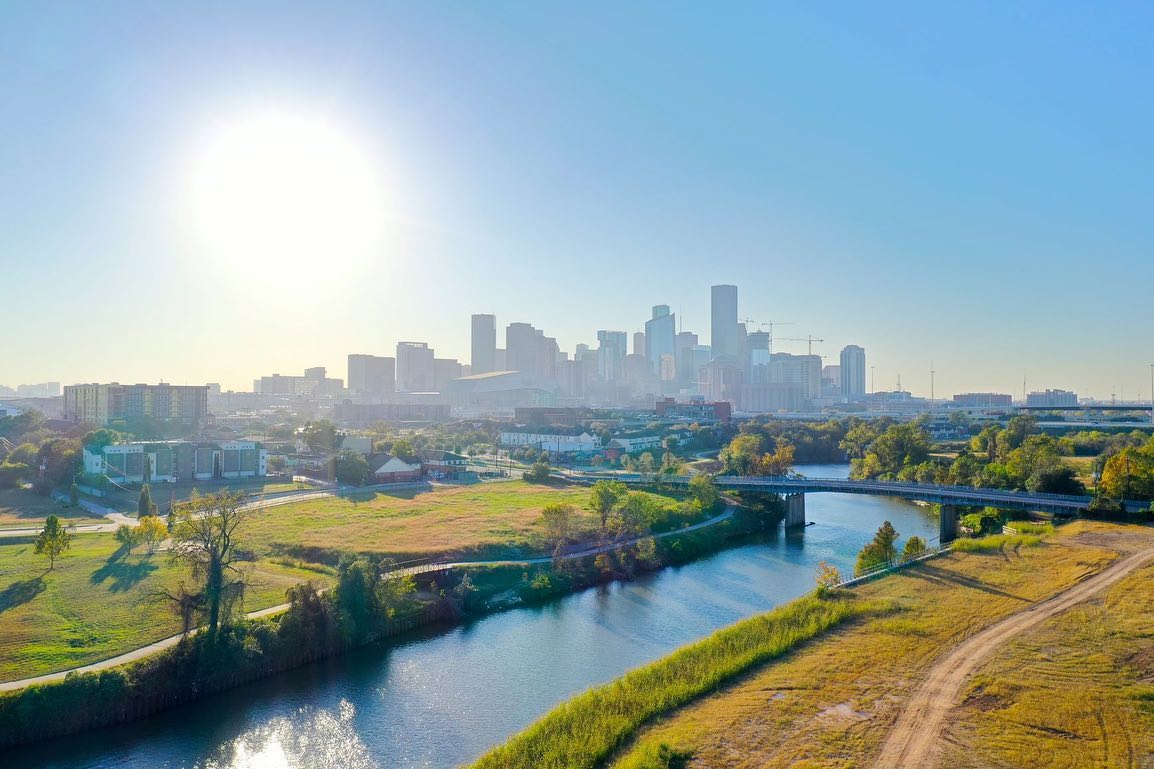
{"x":261,"y":648}
{"x":833,"y":700}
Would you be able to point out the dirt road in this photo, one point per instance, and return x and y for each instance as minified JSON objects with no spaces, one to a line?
{"x":917,"y":732}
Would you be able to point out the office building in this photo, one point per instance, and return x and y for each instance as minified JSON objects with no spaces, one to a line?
{"x":723,"y":331}
{"x":105,"y":403}
{"x":172,"y":461}
{"x":696,"y":410}
{"x":484,"y":344}
{"x":853,"y":372}
{"x":372,"y":376}
{"x":527,"y":349}
{"x":444,"y":371}
{"x":984,"y":400}
{"x":611,"y":355}
{"x":831,"y":381}
{"x":315,"y":383}
{"x":661,"y":343}
{"x":1052,"y":398}
{"x":41,"y":390}
{"x":639,"y":343}
{"x":415,"y":369}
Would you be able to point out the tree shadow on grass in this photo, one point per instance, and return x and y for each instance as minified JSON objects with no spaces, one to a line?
{"x":124,"y":573}
{"x":943,"y":577}
{"x":20,"y":592}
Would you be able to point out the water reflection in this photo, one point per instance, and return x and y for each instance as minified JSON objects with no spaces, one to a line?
{"x":446,"y":695}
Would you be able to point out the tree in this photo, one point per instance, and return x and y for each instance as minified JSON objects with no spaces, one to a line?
{"x":53,"y":540}
{"x":828,"y":577}
{"x":204,"y":538}
{"x":537,"y":473}
{"x":128,"y":536}
{"x":322,"y":436}
{"x":778,"y":463}
{"x":403,"y":450}
{"x":915,"y":546}
{"x":351,"y":468}
{"x":145,"y":506}
{"x":605,"y":495}
{"x":741,"y":456}
{"x":634,"y":515}
{"x":646,"y":464}
{"x":74,"y":496}
{"x":879,"y":551}
{"x":703,"y":490}
{"x":558,"y":520}
{"x":151,"y":531}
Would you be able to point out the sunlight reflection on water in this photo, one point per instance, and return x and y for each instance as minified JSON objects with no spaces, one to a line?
{"x":318,"y":740}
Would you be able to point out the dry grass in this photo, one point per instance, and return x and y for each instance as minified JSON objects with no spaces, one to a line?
{"x":1078,"y":691}
{"x":499,"y":517}
{"x":20,"y":508}
{"x":832,"y":704}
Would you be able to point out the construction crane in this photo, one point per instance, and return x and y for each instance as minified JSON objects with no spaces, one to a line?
{"x":808,"y":339}
{"x":768,"y":324}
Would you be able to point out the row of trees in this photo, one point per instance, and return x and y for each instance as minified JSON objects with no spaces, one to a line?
{"x":1017,"y":456}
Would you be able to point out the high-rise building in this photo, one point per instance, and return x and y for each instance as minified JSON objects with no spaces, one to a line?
{"x":638,"y":342}
{"x":444,"y":371}
{"x":41,"y":390}
{"x":528,"y":349}
{"x":723,"y":331}
{"x":372,"y":376}
{"x":853,"y":372}
{"x":414,"y":367}
{"x":484,"y":352}
{"x":105,"y":403}
{"x":1052,"y":398}
{"x":831,"y":380}
{"x":611,"y":355}
{"x":661,"y":342}
{"x":757,"y":349}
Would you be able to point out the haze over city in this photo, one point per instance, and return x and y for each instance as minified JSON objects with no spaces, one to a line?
{"x":967,"y":188}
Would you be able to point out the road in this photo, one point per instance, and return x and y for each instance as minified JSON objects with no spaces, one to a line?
{"x":916,"y":735}
{"x":164,"y":643}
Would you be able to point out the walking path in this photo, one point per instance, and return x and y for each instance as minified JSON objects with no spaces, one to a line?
{"x":917,"y":732}
{"x":165,"y":643}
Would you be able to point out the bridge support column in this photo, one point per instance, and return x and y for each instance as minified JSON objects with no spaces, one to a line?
{"x":948,"y":526}
{"x":794,"y":510}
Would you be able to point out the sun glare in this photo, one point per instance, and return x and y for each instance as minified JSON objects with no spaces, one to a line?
{"x":278,"y":196}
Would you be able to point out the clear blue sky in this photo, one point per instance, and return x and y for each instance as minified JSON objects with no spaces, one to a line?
{"x":971,"y":183}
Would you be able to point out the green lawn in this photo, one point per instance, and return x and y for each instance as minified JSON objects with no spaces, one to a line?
{"x":96,"y":603}
{"x":20,"y":508}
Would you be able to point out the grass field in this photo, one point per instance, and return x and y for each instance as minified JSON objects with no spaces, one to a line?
{"x":492,"y":519}
{"x":1077,"y":691}
{"x":21,"y":508}
{"x":832,"y":702}
{"x":94,"y":604}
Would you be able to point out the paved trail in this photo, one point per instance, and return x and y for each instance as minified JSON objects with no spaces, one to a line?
{"x":164,"y":643}
{"x":917,"y":732}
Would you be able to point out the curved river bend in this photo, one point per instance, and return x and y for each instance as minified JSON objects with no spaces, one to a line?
{"x":441,"y":698}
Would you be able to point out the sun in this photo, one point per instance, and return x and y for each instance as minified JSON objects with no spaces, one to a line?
{"x":284,"y":196}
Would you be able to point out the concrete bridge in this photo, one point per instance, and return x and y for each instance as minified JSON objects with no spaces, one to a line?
{"x":794,"y":489}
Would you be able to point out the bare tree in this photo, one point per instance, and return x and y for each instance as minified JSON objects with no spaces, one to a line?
{"x":204,"y":538}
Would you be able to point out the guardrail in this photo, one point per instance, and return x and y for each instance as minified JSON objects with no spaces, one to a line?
{"x":888,"y":566}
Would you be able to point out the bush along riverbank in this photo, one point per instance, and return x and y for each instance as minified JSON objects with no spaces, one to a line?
{"x":583,"y":732}
{"x":362,"y":608}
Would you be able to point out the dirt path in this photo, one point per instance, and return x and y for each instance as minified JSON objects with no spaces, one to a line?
{"x":916,"y":735}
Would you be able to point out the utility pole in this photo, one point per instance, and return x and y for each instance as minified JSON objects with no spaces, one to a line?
{"x":932,"y":372}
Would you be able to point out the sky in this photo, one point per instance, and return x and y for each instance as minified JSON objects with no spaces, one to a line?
{"x":967,"y":186}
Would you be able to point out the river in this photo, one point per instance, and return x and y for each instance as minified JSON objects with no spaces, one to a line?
{"x":441,"y":698}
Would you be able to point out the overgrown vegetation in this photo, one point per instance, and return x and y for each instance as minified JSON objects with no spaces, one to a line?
{"x":585,"y":731}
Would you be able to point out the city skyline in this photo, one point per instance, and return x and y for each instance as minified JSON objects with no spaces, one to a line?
{"x":929,"y":192}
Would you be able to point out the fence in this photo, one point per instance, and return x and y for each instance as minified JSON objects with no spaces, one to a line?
{"x":888,"y":566}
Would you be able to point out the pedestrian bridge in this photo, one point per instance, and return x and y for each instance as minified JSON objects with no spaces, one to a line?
{"x":794,"y":489}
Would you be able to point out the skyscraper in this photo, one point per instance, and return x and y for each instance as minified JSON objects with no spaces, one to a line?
{"x":484,"y":352}
{"x":414,"y":367}
{"x":372,"y":375}
{"x":723,"y":332}
{"x":528,"y":349}
{"x":661,"y":340}
{"x":853,"y":368}
{"x":611,"y":355}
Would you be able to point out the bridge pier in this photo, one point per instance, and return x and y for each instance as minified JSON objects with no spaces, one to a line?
{"x":794,"y":510}
{"x":948,"y":526}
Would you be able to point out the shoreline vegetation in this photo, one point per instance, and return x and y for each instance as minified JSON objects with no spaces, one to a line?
{"x":828,"y":685}
{"x":361,"y":609}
